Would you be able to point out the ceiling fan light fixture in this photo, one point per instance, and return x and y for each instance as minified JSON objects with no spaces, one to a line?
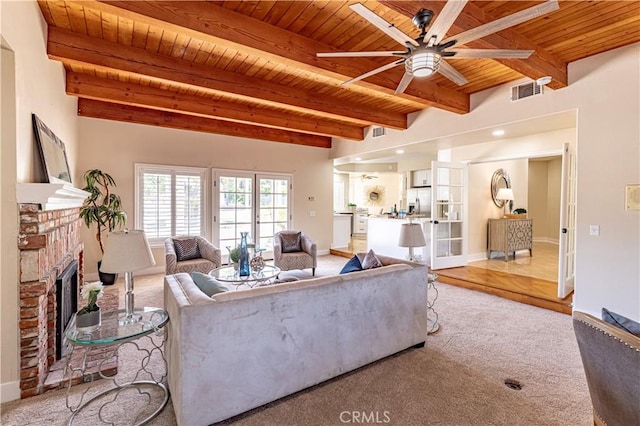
{"x":423,"y":64}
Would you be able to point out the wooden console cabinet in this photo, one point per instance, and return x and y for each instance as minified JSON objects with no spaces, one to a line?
{"x":510,"y":235}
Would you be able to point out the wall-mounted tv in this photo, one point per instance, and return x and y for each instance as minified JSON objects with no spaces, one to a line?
{"x":52,"y":152}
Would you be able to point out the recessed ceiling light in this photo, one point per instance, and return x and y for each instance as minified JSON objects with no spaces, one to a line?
{"x":498,"y":132}
{"x":358,"y":158}
{"x":400,"y":151}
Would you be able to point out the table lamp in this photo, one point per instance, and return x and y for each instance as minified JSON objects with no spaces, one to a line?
{"x":125,"y":252}
{"x":411,"y":236}
{"x":505,"y":194}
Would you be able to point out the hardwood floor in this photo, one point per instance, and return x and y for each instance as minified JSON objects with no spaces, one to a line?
{"x":526,"y":279}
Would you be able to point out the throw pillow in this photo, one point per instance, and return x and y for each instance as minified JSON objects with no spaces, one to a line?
{"x":352,"y":265}
{"x":621,"y":321}
{"x":208,"y":284}
{"x":371,"y":261}
{"x":291,"y":242}
{"x":186,"y":248}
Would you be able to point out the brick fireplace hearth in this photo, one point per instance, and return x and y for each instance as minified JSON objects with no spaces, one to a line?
{"x":48,"y":242}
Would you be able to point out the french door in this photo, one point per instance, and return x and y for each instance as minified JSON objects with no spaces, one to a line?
{"x":448,"y":215}
{"x":259,"y":204}
{"x":567,"y":249}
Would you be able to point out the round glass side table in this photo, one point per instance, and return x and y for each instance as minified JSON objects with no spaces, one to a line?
{"x":101,"y":346}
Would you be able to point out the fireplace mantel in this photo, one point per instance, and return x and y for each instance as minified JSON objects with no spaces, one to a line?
{"x":51,"y":196}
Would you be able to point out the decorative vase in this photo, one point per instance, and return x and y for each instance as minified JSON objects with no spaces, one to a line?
{"x":244,"y":270}
{"x":89,"y":321}
{"x":105,"y":277}
{"x":257,"y":262}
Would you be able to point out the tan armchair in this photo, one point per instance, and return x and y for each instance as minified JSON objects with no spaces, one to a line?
{"x":188,"y":254}
{"x":294,"y":250}
{"x":611,"y":359}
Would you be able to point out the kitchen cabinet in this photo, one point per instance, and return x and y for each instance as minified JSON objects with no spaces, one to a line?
{"x":510,"y":235}
{"x":341,"y":231}
{"x":360,"y":223}
{"x":384,"y":233}
{"x":421,"y":178}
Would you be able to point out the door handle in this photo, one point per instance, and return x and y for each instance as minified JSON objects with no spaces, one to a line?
{"x":435,"y":222}
{"x":564,"y":230}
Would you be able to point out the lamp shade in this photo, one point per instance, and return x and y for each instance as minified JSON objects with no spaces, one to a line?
{"x":126,"y":251}
{"x":411,"y":235}
{"x":504,"y":194}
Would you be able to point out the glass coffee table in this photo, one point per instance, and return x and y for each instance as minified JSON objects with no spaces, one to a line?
{"x":101,"y":346}
{"x":228,"y":274}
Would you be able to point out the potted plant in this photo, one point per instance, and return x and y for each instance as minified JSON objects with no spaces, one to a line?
{"x":103,"y":209}
{"x":234,"y":255}
{"x":88,"y":318}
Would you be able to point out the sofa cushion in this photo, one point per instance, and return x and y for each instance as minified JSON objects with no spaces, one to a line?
{"x":371,"y":261}
{"x":208,"y":284}
{"x":621,"y":322}
{"x":186,"y":248}
{"x":291,"y":242}
{"x":352,"y":265}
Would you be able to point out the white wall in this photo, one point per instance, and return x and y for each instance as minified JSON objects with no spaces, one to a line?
{"x":605,"y":91}
{"x":39,"y":89}
{"x":115,"y":147}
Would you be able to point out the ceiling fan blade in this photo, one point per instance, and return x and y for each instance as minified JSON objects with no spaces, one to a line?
{"x":445,"y":19}
{"x":451,"y":73}
{"x":502,"y":23}
{"x":370,"y":73}
{"x":383,"y":25}
{"x":406,"y":79}
{"x":491,"y":53}
{"x":355,"y":54}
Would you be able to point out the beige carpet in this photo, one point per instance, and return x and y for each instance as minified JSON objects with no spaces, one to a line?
{"x":457,"y":379}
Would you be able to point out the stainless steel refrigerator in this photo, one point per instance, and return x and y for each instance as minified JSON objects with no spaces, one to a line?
{"x":419,"y":200}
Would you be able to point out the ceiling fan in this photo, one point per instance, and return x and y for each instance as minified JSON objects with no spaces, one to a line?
{"x":425,"y":54}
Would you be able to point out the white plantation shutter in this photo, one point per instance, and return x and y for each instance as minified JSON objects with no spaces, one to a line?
{"x":169,"y":201}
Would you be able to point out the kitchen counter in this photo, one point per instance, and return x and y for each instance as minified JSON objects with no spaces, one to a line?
{"x":383,"y":234}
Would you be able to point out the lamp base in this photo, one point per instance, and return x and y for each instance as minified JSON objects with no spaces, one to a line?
{"x":129,"y":319}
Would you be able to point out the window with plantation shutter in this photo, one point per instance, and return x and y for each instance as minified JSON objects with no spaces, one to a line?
{"x":170,"y":201}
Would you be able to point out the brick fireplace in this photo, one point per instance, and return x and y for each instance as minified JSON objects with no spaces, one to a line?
{"x":50,"y":250}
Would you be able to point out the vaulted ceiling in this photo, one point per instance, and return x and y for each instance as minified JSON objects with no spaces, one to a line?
{"x":249,"y":68}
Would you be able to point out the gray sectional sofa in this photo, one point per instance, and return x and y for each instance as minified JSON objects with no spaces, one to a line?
{"x":241,"y":349}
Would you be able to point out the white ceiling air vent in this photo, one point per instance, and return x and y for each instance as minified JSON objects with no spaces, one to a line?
{"x":525,"y":90}
{"x":378,"y":131}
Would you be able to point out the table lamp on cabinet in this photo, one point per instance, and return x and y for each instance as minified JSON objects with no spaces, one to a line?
{"x":506,"y":195}
{"x":126,"y":252}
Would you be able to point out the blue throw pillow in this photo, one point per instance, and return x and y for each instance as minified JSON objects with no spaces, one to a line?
{"x":352,"y":265}
{"x":621,"y":322}
{"x":208,"y":284}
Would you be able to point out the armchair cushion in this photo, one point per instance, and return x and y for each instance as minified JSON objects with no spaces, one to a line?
{"x":186,"y":249}
{"x":208,"y":284}
{"x":621,"y":322}
{"x":291,"y":242}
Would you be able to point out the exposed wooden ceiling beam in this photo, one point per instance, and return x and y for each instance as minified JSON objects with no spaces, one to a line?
{"x":209,"y":22}
{"x":87,"y":86}
{"x":67,"y":46}
{"x":541,"y":63}
{"x":131,"y":114}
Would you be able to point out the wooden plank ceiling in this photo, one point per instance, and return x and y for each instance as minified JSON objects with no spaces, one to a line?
{"x":249,"y":68}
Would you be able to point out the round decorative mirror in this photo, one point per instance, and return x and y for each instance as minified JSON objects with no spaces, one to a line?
{"x":499,"y":180}
{"x":373,"y":195}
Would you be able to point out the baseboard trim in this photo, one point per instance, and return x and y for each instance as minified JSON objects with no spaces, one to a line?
{"x":9,"y":391}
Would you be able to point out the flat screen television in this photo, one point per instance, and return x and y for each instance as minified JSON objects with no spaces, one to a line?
{"x":52,"y":153}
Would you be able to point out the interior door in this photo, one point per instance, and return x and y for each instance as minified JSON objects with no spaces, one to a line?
{"x":567,"y":249}
{"x":448,"y":215}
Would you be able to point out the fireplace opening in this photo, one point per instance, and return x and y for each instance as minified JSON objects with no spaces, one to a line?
{"x":66,"y":303}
